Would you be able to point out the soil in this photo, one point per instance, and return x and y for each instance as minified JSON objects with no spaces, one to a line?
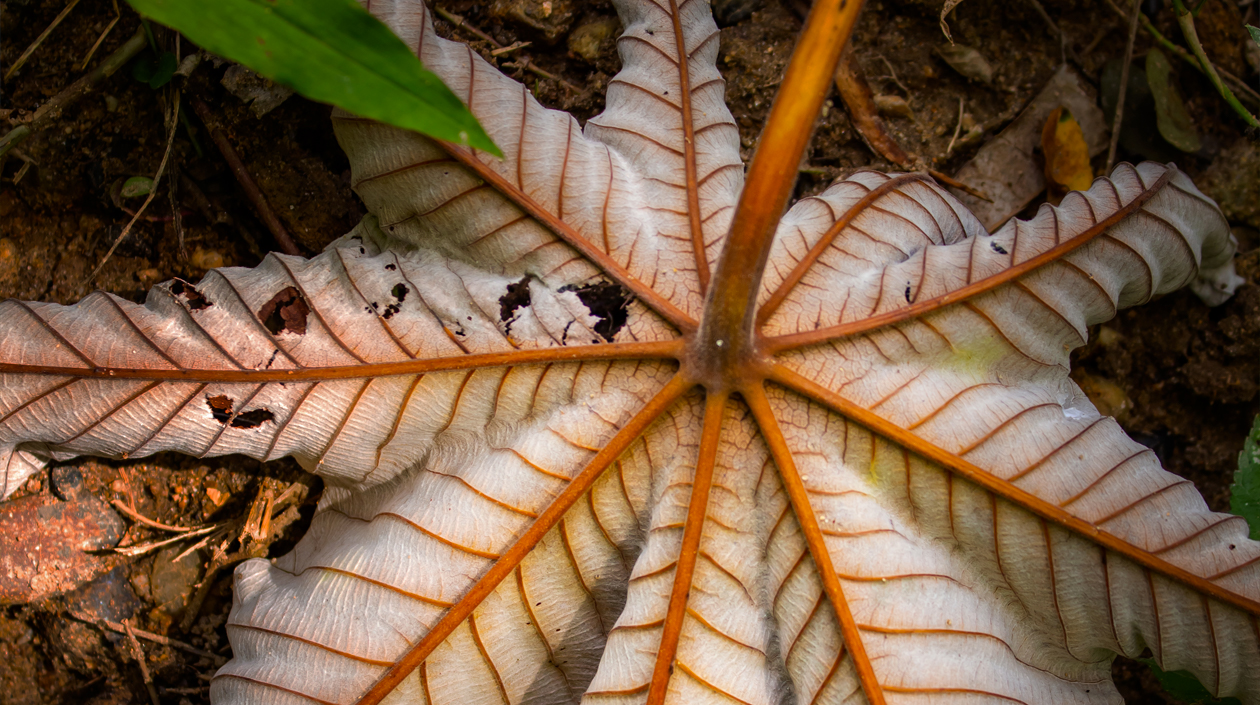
{"x":1181,"y":377}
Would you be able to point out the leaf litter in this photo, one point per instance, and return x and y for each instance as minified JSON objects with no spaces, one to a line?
{"x":834,"y":146}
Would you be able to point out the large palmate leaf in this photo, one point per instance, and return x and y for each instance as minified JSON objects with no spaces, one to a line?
{"x":578,"y":448}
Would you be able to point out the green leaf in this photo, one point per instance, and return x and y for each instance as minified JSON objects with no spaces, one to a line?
{"x":332,"y":51}
{"x":1255,"y":33}
{"x":156,"y":72}
{"x":1244,"y":494}
{"x":1171,"y":115}
{"x":1183,"y":686}
{"x":136,"y":186}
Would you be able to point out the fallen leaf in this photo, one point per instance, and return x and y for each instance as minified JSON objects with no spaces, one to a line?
{"x":1066,"y":154}
{"x":1171,"y":115}
{"x":967,"y":61}
{"x":947,"y":8}
{"x":593,"y":428}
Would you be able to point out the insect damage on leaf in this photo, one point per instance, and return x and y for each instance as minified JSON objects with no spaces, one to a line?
{"x":608,"y":302}
{"x":285,"y":312}
{"x":195,"y":299}
{"x":221,"y":409}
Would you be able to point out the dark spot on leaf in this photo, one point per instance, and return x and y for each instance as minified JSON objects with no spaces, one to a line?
{"x":608,"y":302}
{"x":908,"y":294}
{"x":390,"y":310}
{"x":400,"y":292}
{"x":375,"y":305}
{"x":362,"y":251}
{"x":196,"y":300}
{"x":390,"y":267}
{"x":220,"y":407}
{"x":517,"y":297}
{"x":286,"y":311}
{"x":998,"y":248}
{"x":252,"y":419}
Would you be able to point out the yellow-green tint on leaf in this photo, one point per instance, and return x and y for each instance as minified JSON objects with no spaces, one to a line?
{"x":332,"y":51}
{"x":1174,"y":121}
{"x":1067,"y":155}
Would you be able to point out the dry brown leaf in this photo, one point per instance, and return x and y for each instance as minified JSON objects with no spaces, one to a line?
{"x":578,"y":447}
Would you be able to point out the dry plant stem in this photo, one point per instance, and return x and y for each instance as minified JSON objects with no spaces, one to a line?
{"x":1186,"y":20}
{"x":1004,"y":489}
{"x":163,"y":640}
{"x":507,"y":563}
{"x":138,"y":517}
{"x":1117,"y":120}
{"x":821,"y":335}
{"x":157,"y":179}
{"x":729,"y":309}
{"x":21,"y":60}
{"x":138,"y":652}
{"x":1245,"y":91}
{"x":693,"y":531}
{"x":108,"y":28}
{"x":141,"y":549}
{"x":252,"y":192}
{"x":52,"y":109}
{"x":759,"y":404}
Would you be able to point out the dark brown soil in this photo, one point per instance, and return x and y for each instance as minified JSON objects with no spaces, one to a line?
{"x":1183,"y":378}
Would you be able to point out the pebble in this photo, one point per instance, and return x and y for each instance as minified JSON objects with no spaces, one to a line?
{"x":171,"y":581}
{"x":588,"y":41}
{"x":206,"y":259}
{"x":45,"y":541}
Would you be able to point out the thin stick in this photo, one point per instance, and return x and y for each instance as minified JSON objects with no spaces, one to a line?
{"x":136,"y":516}
{"x":1118,"y":119}
{"x":526,"y":64}
{"x":1186,"y":20}
{"x":40,"y":39}
{"x":252,"y":192}
{"x":108,"y":28}
{"x":78,"y":89}
{"x":957,"y":128}
{"x":157,"y":179}
{"x":163,"y":640}
{"x":141,"y":549}
{"x":138,"y":652}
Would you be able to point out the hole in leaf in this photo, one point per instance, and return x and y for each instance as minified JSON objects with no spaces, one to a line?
{"x":998,"y":248}
{"x":286,"y":311}
{"x":196,"y":300}
{"x":220,"y":407}
{"x":252,"y":418}
{"x":517,"y":297}
{"x":608,"y":302}
{"x":400,"y":292}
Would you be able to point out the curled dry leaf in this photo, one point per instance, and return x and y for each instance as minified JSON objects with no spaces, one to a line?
{"x":594,"y":429}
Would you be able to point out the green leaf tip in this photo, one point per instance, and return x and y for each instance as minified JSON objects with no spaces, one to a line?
{"x":332,"y":51}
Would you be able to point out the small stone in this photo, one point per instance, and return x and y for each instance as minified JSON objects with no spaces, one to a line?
{"x":111,"y":104}
{"x":216,"y":497}
{"x":893,"y":105}
{"x":45,"y":543}
{"x":171,"y":581}
{"x":589,"y":40}
{"x":206,"y":259}
{"x":67,"y":484}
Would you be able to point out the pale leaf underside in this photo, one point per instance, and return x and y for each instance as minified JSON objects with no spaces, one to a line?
{"x":531,"y":495}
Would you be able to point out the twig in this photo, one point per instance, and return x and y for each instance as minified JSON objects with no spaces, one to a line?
{"x":527,"y":65}
{"x":1117,"y":120}
{"x":157,"y":179}
{"x":143,"y":548}
{"x":252,"y":192}
{"x":509,"y":49}
{"x":108,"y":28}
{"x":892,"y":73}
{"x":163,"y":640}
{"x":138,"y":652}
{"x":957,"y":128}
{"x":136,"y":516}
{"x":955,"y":183}
{"x":1246,"y":92}
{"x":40,"y":39}
{"x":1186,"y":20}
{"x":54,"y":106}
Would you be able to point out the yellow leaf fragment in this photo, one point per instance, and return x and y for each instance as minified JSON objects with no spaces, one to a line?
{"x":1067,"y":156}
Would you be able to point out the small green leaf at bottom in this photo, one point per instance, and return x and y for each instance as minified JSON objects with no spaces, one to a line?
{"x":332,"y":51}
{"x":1183,"y":686}
{"x":1244,"y":494}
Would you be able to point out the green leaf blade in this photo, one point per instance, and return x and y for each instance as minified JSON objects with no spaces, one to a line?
{"x":331,"y":51}
{"x":1171,"y":115}
{"x":1244,"y":494}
